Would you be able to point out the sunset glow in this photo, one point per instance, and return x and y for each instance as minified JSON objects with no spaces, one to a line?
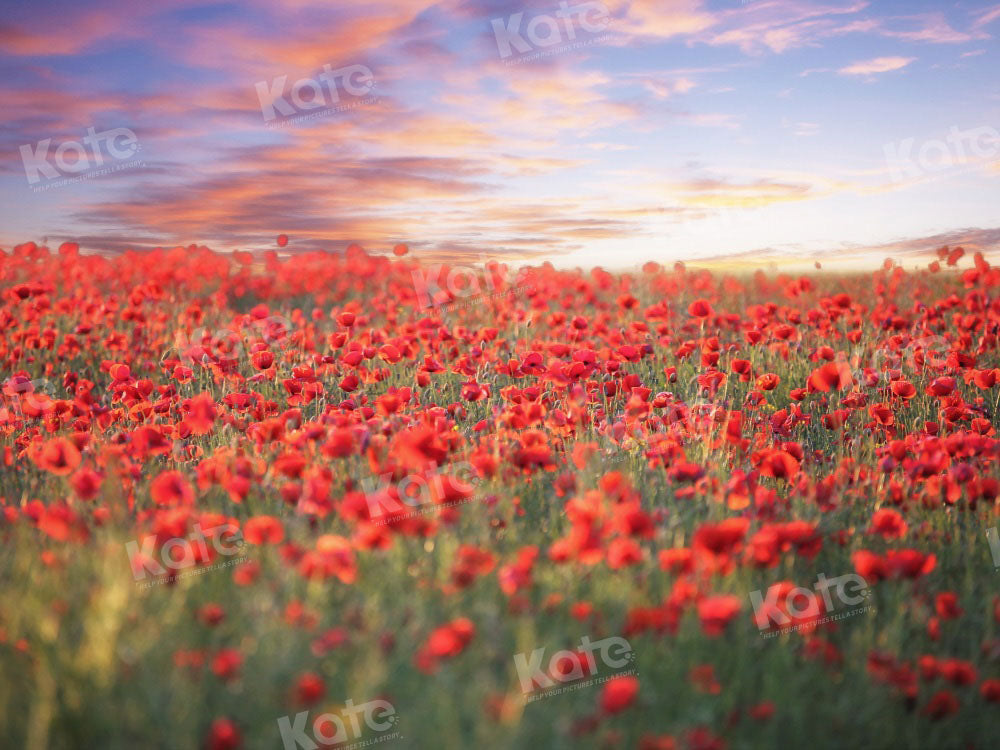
{"x":604,"y":133}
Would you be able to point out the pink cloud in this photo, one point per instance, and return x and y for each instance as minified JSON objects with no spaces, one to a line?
{"x":930,"y":27}
{"x":988,"y":16}
{"x":878,"y":65}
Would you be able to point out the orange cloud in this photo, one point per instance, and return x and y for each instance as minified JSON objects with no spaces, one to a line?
{"x":662,"y":18}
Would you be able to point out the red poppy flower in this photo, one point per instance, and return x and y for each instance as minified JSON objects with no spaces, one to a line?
{"x":762,"y":711}
{"x":958,"y":672}
{"x":262,"y":360}
{"x":86,"y":483}
{"x":714,"y":545}
{"x":702,"y":678}
{"x":309,"y":688}
{"x":619,"y":693}
{"x":120,"y":372}
{"x":869,"y":566}
{"x":58,"y":456}
{"x":340,"y":444}
{"x":946,"y":606}
{"x":263,"y":530}
{"x":419,"y":448}
{"x":888,"y":523}
{"x":715,"y":612}
{"x":985,"y":379}
{"x":909,"y":563}
{"x":514,"y":577}
{"x":171,"y":488}
{"x":831,"y":376}
{"x":990,"y":690}
{"x":942,"y":704}
{"x":226,"y":664}
{"x":778,"y":464}
{"x":333,"y":556}
{"x":622,"y":552}
{"x":686,"y":472}
{"x":445,"y":642}
{"x":700,"y":308}
{"x":702,"y":738}
{"x":390,"y":354}
{"x":941,"y":387}
{"x":768,"y":381}
{"x":471,"y":562}
{"x":223,"y":735}
{"x":882,"y":414}
{"x":211,"y":614}
{"x":904,"y":389}
{"x":200,"y":414}
{"x":349,"y":383}
{"x":59,"y":522}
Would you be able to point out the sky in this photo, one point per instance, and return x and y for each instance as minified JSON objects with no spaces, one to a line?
{"x":595,"y":133}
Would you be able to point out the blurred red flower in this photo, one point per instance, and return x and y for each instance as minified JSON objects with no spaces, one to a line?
{"x":619,"y":693}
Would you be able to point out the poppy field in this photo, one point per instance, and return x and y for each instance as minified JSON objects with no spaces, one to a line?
{"x":352,"y":499}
